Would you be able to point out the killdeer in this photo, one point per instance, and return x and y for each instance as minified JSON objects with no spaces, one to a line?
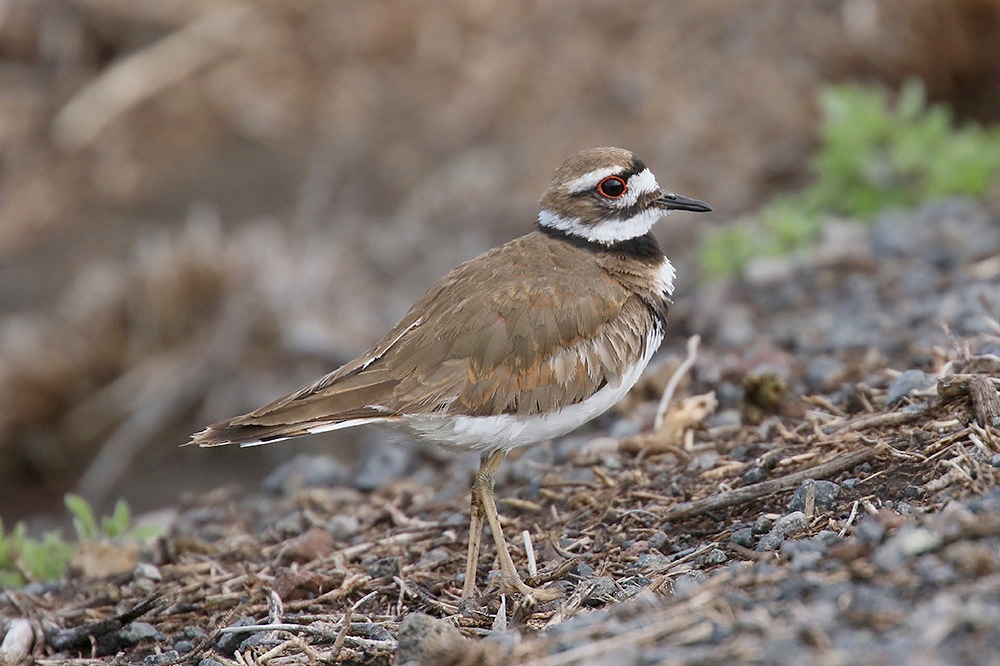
{"x":522,"y":343}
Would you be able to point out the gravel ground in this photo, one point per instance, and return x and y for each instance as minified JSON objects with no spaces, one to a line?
{"x":824,"y":490}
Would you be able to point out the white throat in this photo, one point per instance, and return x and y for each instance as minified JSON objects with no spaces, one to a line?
{"x":607,"y":232}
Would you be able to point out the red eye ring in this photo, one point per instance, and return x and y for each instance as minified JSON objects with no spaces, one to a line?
{"x":609,"y":187}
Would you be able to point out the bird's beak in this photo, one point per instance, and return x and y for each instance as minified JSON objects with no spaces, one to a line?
{"x":672,"y":201}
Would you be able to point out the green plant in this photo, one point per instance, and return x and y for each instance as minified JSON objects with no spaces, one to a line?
{"x":25,"y":558}
{"x":873,"y":156}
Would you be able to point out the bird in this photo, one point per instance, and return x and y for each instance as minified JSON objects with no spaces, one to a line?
{"x":521,"y":344}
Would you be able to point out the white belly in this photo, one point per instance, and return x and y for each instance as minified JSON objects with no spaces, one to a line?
{"x":509,"y":431}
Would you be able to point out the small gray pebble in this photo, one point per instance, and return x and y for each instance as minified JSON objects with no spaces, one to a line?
{"x":255,"y":640}
{"x":770,"y":541}
{"x":419,"y":634}
{"x":804,"y":560}
{"x":208,"y":661}
{"x":792,"y":524}
{"x":342,"y":527}
{"x":136,"y":632}
{"x":661,"y":539}
{"x":744,"y":537}
{"x":752,"y":476}
{"x":307,"y":471}
{"x":381,"y":464}
{"x":384,"y":568}
{"x":228,"y":643}
{"x":822,"y":370}
{"x":908,"y":382}
{"x":162,"y":658}
{"x":852,"y":483}
{"x":762,"y":525}
{"x":193,"y":631}
{"x":716,"y":556}
{"x":583,"y":570}
{"x":826,"y":493}
{"x":603,"y":590}
{"x":995,"y":460}
{"x":651,"y":561}
{"x":686,"y":585}
{"x":907,"y":542}
{"x":869,"y":531}
{"x":377,"y":632}
{"x":183,"y":646}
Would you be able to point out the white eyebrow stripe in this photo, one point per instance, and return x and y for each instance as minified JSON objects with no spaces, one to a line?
{"x":638,"y":184}
{"x":591,"y":179}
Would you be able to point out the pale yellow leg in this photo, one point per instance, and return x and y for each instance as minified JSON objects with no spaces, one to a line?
{"x":475,"y":538}
{"x":483,"y":489}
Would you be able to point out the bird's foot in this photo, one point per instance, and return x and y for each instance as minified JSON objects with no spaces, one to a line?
{"x":539,"y":594}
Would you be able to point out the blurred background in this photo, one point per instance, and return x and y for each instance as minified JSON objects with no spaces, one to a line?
{"x":206,"y":203}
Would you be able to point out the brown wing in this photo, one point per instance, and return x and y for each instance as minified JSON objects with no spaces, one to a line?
{"x":508,"y":332}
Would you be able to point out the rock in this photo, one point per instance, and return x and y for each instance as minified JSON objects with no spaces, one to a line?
{"x":753,"y":475}
{"x":343,"y":527}
{"x":763,"y":524}
{"x":904,"y":544}
{"x":688,"y":584}
{"x":744,"y":537}
{"x":787,"y":526}
{"x":908,"y":382}
{"x":651,"y":561}
{"x":183,"y":646}
{"x":804,"y":560}
{"x":227,"y":643}
{"x":661,"y":539}
{"x":899,"y":234}
{"x":715,"y":557}
{"x":208,"y":661}
{"x":770,"y":541}
{"x":312,"y":545}
{"x":822,"y":372}
{"x":293,"y":584}
{"x":602,"y":591}
{"x":377,"y":632}
{"x":136,"y":632}
{"x":792,"y":524}
{"x":423,"y":640}
{"x":307,"y":471}
{"x":256,"y":639}
{"x":386,"y":567}
{"x":825,"y":496}
{"x":162,"y":658}
{"x":382,"y":463}
{"x":148,"y":571}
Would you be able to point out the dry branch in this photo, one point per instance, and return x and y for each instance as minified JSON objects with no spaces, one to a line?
{"x":772,"y":486}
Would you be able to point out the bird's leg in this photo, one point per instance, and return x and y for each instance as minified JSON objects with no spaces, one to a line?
{"x":511,"y":580}
{"x":475,"y":533}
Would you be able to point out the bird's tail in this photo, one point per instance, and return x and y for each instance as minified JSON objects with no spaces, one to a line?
{"x":232,"y":431}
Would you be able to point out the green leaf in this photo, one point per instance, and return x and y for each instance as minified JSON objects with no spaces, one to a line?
{"x":117,"y":524}
{"x":83,"y":516}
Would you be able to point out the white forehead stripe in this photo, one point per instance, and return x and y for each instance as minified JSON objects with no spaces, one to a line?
{"x":591,"y":179}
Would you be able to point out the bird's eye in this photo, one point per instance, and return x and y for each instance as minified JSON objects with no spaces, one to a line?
{"x":612,"y":187}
